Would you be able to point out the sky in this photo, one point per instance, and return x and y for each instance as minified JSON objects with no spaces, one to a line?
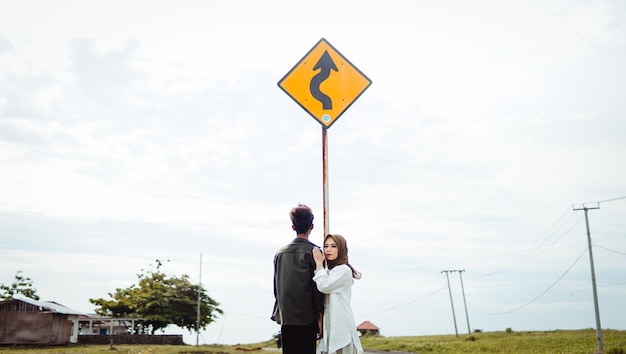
{"x":132,"y":131}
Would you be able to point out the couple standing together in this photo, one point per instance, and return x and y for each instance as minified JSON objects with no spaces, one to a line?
{"x":313,"y":301}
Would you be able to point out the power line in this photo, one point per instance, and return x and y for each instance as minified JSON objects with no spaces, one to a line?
{"x":553,"y":235}
{"x":610,"y":250}
{"x":540,"y":244}
{"x":529,"y":253}
{"x":403,"y":304}
{"x":606,"y":200}
{"x":543,"y":292}
{"x":410,"y":300}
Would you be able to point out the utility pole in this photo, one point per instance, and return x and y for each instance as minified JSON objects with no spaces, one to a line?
{"x":198,"y":304}
{"x":451,"y":302}
{"x":593,"y":280}
{"x":469,"y":331}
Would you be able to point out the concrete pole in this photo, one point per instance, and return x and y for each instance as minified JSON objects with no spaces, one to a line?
{"x":456,"y":331}
{"x":593,"y":282}
{"x":469,"y":331}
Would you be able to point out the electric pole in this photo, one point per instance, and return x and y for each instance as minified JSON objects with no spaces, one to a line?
{"x":469,"y":331}
{"x":198,"y":304}
{"x":451,"y":302}
{"x":593,"y":280}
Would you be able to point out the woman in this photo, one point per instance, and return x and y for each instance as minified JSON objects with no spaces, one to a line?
{"x":339,"y":333}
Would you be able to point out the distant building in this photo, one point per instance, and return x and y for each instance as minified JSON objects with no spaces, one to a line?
{"x":108,"y":326}
{"x":368,"y":328}
{"x":28,"y":321}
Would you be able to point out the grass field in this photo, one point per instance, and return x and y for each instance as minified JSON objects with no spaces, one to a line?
{"x":566,"y":342}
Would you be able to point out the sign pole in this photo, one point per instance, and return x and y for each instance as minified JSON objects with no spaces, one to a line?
{"x":325,"y":84}
{"x":325,"y":180}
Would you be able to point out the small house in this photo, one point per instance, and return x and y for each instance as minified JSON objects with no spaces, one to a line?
{"x":28,"y":321}
{"x":368,"y":328}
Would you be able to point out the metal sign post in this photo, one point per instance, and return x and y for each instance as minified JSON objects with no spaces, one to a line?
{"x":324,"y":83}
{"x":325,"y":179}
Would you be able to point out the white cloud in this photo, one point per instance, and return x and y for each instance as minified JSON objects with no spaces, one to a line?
{"x":136,"y":131}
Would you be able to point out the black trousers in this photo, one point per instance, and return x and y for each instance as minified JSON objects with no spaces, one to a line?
{"x":299,"y":339}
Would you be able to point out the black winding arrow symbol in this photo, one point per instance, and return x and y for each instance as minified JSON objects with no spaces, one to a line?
{"x":326,"y":64}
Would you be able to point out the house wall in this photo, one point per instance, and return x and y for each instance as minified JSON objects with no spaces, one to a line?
{"x":102,"y":329}
{"x":34,"y":328}
{"x":73,"y":328}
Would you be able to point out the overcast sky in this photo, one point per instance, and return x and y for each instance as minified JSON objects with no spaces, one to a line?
{"x":139,"y":130}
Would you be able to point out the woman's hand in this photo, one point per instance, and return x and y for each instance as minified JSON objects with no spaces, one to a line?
{"x":320,"y":327}
{"x":319,"y":258}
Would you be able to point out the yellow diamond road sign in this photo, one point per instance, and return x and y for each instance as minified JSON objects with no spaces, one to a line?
{"x":324,"y":83}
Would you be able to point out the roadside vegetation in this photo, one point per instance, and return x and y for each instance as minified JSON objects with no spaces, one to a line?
{"x":509,"y":341}
{"x":158,"y":299}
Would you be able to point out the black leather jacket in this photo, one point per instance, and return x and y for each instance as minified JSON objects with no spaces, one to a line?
{"x":298,"y":302}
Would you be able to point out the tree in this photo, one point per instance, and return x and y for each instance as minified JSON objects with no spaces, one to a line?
{"x":21,"y":285}
{"x":161,"y":300}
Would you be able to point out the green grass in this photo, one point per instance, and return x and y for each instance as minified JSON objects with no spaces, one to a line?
{"x":570,"y":342}
{"x":553,"y":342}
{"x":138,"y":349}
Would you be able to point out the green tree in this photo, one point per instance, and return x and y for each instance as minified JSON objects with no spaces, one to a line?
{"x":160,"y":300}
{"x":21,"y":285}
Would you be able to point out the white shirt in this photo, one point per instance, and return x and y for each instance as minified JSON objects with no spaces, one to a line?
{"x":339,"y":326}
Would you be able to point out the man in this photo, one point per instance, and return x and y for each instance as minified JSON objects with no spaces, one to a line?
{"x":299,"y":305}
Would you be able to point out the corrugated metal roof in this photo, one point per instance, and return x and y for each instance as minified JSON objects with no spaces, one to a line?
{"x":50,"y":306}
